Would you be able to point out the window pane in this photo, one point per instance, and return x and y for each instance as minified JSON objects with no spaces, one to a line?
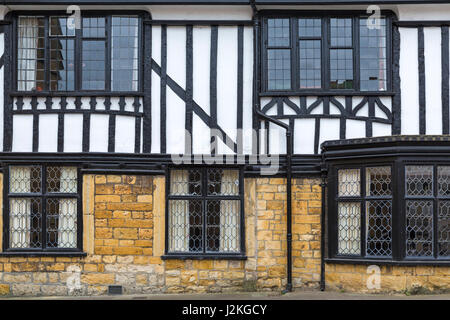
{"x":59,"y":26}
{"x":373,"y":56}
{"x":31,"y":54}
{"x":185,"y":182}
{"x":419,"y":228}
{"x":62,"y":64}
{"x":378,"y":181}
{"x":349,"y":228}
{"x":25,"y":179}
{"x":310,"y":64}
{"x":125,"y":59}
{"x":444,"y":181}
{"x":349,"y":183}
{"x":222,"y":233}
{"x":341,"y":32}
{"x":379,"y":227}
{"x":25,"y":223}
{"x":309,"y":27}
{"x":93,"y":65}
{"x":419,"y":180}
{"x":341,"y":68}
{"x":278,"y":32}
{"x":61,"y":223}
{"x":444,"y":229}
{"x":279,"y":69}
{"x":185,"y":226}
{"x":62,"y":179}
{"x":223,"y":182}
{"x":94,"y":27}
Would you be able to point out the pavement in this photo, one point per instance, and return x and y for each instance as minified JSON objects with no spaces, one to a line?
{"x":297,"y":295}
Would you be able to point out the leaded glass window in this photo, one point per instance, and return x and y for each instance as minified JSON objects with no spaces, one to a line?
{"x":108,"y":48}
{"x":339,"y":52}
{"x":43,"y":208}
{"x":204,"y":211}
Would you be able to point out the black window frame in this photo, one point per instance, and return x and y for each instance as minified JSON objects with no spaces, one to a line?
{"x":398,"y":213}
{"x":44,"y":196}
{"x":204,"y":197}
{"x":143,"y":16}
{"x":325,"y":17}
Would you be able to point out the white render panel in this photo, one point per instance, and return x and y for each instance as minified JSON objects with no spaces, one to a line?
{"x":227,"y":71}
{"x":409,"y":75}
{"x":73,"y":133}
{"x":201,"y":136}
{"x":277,"y":138}
{"x":98,"y":140}
{"x":156,"y":44}
{"x":204,"y":12}
{"x":48,"y":133}
{"x":201,"y":47}
{"x":247,"y":124}
{"x":329,"y":130}
{"x":433,"y":80}
{"x":176,"y":54}
{"x":355,"y":129}
{"x":175,"y":130}
{"x":156,"y":113}
{"x":125,"y":134}
{"x":381,"y":129}
{"x":22,"y":133}
{"x":304,"y":136}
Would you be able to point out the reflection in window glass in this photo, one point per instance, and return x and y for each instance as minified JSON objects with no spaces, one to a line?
{"x":310,"y":64}
{"x":349,"y":228}
{"x":279,"y":67}
{"x":59,"y":27}
{"x":62,"y":64}
{"x":125,"y":64}
{"x":278,"y":32}
{"x":31,"y":54}
{"x":373,"y":56}
{"x":310,"y":27}
{"x":93,"y":65}
{"x":341,"y":54}
{"x":419,"y":180}
{"x":94,"y":27}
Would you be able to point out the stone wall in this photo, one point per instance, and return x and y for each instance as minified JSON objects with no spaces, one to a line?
{"x":124,"y":236}
{"x":415,"y":279}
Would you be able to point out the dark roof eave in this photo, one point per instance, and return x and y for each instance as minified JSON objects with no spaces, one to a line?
{"x":218,"y":2}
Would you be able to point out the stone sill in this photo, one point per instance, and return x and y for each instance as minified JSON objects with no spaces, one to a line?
{"x":202,"y":257}
{"x":42,"y":254}
{"x":389,"y":262}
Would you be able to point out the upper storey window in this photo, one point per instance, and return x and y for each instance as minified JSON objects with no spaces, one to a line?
{"x":326,"y":53}
{"x":53,"y":55}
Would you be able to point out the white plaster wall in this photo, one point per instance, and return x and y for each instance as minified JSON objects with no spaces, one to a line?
{"x":433,"y":80}
{"x":125,"y":134}
{"x":48,"y":133}
{"x":22,"y":133}
{"x":304,"y":142}
{"x":248,"y":90}
{"x":73,"y":133}
{"x":409,"y":75}
{"x":99,"y":133}
{"x":227,"y":70}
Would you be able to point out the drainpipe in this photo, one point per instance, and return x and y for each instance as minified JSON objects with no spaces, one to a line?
{"x":288,"y":193}
{"x":322,"y":225}
{"x":258,"y":115}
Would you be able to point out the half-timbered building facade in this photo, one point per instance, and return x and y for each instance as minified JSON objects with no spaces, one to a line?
{"x":219,"y":146}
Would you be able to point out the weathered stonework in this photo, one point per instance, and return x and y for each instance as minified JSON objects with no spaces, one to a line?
{"x":124,"y":237}
{"x":415,"y":279}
